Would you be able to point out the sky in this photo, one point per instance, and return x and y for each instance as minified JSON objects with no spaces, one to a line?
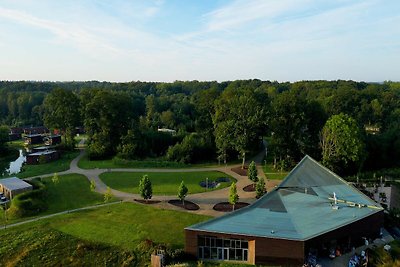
{"x":168,"y":40}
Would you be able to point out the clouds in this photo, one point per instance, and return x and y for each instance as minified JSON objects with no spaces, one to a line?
{"x":169,"y":40}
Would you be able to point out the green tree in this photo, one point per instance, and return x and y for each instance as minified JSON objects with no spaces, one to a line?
{"x":252,"y":172}
{"x":108,"y":195}
{"x":61,"y":111}
{"x":145,"y":188}
{"x":92,"y":185}
{"x":3,"y":138}
{"x":341,"y":143}
{"x":182,"y":192}
{"x":233,"y":195}
{"x":260,"y":187}
{"x":55,"y":178}
{"x":240,"y":120}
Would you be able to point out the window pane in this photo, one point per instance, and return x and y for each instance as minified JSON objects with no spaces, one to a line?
{"x":245,"y":254}
{"x":245,"y":244}
{"x":237,"y":243}
{"x":231,"y":254}
{"x":200,"y":240}
{"x":206,"y":253}
{"x":227,"y":243}
{"x":201,"y":255}
{"x":212,"y":242}
{"x":238,"y":254}
{"x":207,"y":241}
{"x":219,"y":242}
{"x":214,"y":253}
{"x":220,"y":254}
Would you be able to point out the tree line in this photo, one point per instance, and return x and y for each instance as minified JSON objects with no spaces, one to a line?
{"x":218,"y":120}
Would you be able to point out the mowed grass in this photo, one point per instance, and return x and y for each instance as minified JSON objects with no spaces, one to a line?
{"x":100,"y":237}
{"x":59,"y":165}
{"x":71,"y":192}
{"x":272,"y":173}
{"x":164,"y":183}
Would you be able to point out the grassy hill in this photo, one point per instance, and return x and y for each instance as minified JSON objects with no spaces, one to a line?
{"x":117,"y":235}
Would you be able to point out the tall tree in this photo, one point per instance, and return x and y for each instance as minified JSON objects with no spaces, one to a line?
{"x":252,"y":172}
{"x":240,"y":120}
{"x":145,"y":188}
{"x":233,"y":195}
{"x":61,"y":111}
{"x":3,"y":138}
{"x":260,"y":187}
{"x":182,"y":192}
{"x":341,"y":143}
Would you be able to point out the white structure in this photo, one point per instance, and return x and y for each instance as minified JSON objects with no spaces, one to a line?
{"x":13,"y":186}
{"x":166,"y":130}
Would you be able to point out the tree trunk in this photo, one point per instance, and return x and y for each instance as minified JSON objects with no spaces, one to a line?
{"x":233,"y":207}
{"x":244,"y":159}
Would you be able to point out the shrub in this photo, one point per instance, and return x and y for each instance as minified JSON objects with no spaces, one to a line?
{"x":29,"y":203}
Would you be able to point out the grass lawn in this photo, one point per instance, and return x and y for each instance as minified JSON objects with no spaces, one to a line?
{"x":272,"y":173}
{"x":102,"y":237}
{"x":72,"y":191}
{"x":163,"y":183}
{"x":56,"y":166}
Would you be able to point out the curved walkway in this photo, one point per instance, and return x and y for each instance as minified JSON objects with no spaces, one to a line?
{"x":205,"y":200}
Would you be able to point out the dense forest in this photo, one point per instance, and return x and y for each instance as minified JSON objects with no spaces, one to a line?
{"x":350,"y":126}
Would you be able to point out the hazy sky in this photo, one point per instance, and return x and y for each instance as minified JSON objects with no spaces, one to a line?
{"x":167,"y":40}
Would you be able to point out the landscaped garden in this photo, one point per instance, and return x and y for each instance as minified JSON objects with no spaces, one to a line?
{"x":164,"y":183}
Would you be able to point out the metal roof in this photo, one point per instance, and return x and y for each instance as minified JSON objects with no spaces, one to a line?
{"x":14,"y":183}
{"x":299,"y":208}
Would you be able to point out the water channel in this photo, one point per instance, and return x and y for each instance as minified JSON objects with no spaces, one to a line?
{"x":14,"y":166}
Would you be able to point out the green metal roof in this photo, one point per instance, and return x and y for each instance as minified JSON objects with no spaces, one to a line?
{"x":299,"y":208}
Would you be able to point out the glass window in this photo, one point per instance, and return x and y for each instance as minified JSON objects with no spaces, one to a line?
{"x":214,"y":253}
{"x":201,"y":254}
{"x":207,"y":241}
{"x":245,"y":252}
{"x":212,"y":242}
{"x":206,"y":253}
{"x":227,"y":243}
{"x":219,"y":243}
{"x":231,"y":254}
{"x":245,"y":244}
{"x":200,"y":240}
{"x":220,"y":253}
{"x":237,"y":243}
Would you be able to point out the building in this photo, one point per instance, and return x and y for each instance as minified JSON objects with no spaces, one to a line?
{"x":13,"y":186}
{"x":312,"y":211}
{"x":33,"y":139}
{"x":36,"y":130}
{"x":52,"y":140}
{"x":42,"y":157}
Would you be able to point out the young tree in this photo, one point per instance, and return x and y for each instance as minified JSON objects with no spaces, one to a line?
{"x":341,"y":142}
{"x":55,"y":178}
{"x":233,"y":195}
{"x":92,"y":186}
{"x":182,"y":192}
{"x":145,"y":188}
{"x":260,"y":187}
{"x":252,"y":172}
{"x":108,"y":195}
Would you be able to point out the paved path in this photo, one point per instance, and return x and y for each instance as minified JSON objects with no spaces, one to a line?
{"x":205,"y":200}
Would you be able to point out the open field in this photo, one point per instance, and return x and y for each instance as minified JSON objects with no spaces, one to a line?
{"x":163,"y":183}
{"x":56,"y":166}
{"x":112,"y":234}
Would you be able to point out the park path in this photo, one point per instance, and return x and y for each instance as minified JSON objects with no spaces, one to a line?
{"x":205,"y":200}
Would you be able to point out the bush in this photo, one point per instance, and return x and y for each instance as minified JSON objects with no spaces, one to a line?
{"x":29,"y":203}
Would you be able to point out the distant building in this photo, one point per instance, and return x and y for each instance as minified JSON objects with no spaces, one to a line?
{"x":36,"y":130}
{"x":312,"y":211}
{"x":45,"y":156}
{"x":52,"y":140}
{"x":13,"y":186}
{"x":372,"y":129}
{"x":33,"y":139}
{"x":166,"y":130}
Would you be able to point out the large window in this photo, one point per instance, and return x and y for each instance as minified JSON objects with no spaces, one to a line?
{"x":214,"y":248}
